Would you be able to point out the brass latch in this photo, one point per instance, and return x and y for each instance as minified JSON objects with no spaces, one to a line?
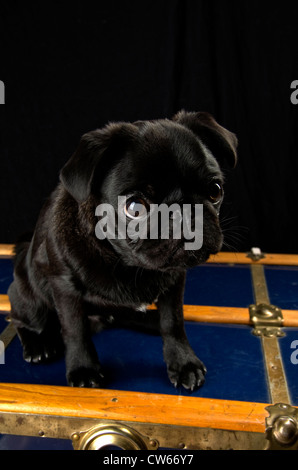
{"x":267,"y":320}
{"x":282,"y":427}
{"x":117,"y":435}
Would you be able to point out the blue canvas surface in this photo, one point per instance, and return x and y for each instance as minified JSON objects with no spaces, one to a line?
{"x":220,"y":285}
{"x":133,"y":361}
{"x":289,"y":352}
{"x":282,"y":283}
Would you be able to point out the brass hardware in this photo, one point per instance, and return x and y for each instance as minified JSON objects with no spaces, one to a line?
{"x":117,"y":435}
{"x":255,"y":254}
{"x":282,"y":427}
{"x":275,"y":371}
{"x":259,"y":284}
{"x":153,"y":443}
{"x":268,"y":320}
{"x":151,"y":435}
{"x":8,"y":334}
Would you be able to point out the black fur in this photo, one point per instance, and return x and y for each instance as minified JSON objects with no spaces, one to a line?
{"x":65,"y":276}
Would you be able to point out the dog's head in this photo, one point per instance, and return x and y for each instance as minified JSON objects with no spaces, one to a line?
{"x":156,"y":187}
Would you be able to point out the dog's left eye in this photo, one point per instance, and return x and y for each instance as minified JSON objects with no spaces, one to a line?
{"x":135,"y":208}
{"x":215,"y":192}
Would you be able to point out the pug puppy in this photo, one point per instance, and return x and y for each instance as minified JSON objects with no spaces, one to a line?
{"x":66,"y":276}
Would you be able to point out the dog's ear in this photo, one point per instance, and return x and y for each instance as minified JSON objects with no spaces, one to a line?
{"x":221,"y":142}
{"x":97,"y":150}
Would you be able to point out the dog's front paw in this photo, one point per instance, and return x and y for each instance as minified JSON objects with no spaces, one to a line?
{"x":90,"y":377}
{"x":39,"y":348}
{"x":190,"y":375}
{"x":184,"y":367}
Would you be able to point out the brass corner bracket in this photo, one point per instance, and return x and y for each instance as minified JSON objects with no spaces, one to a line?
{"x":282,"y":427}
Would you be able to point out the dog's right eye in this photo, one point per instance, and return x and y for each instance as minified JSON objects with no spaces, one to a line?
{"x":215,"y":192}
{"x":136,"y":208}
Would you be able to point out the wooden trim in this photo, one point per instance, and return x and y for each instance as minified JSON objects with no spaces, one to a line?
{"x":201,"y":313}
{"x":231,"y":315}
{"x":133,"y":406}
{"x":4,"y":303}
{"x":242,"y":258}
{"x":6,"y":251}
{"x":290,"y":318}
{"x":236,"y":315}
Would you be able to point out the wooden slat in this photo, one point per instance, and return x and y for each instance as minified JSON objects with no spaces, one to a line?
{"x":6,"y":251}
{"x":201,"y":313}
{"x":242,"y":258}
{"x":237,"y":315}
{"x":290,"y":318}
{"x":222,"y":257}
{"x":4,"y":303}
{"x":132,"y":406}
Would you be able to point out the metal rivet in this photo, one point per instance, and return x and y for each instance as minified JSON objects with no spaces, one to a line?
{"x":75,"y":437}
{"x":285,"y":430}
{"x":153,"y":443}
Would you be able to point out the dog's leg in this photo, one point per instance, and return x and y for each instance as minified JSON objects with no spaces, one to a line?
{"x":184,"y":368}
{"x":82,"y":365}
{"x":37,"y":326}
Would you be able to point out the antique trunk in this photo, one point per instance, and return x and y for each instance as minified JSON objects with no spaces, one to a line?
{"x":241,"y":312}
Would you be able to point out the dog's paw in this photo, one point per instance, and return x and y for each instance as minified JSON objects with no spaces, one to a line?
{"x":88,"y":377}
{"x":39,"y":349}
{"x":190,"y":375}
{"x":184,"y":367}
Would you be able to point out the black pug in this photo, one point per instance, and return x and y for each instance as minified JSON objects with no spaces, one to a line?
{"x":65,"y":276}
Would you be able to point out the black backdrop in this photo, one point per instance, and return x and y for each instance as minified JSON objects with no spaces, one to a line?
{"x":72,"y":67}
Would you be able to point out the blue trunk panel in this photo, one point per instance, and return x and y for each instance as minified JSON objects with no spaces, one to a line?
{"x":282,"y":283}
{"x":133,"y":361}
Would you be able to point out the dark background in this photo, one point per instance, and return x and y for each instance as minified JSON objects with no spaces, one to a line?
{"x":72,"y":67}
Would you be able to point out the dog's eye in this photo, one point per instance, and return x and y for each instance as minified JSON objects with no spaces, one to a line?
{"x":215,"y":192}
{"x":135,"y":208}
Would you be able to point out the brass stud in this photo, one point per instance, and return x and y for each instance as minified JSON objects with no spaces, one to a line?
{"x":285,"y":431}
{"x":153,"y":443}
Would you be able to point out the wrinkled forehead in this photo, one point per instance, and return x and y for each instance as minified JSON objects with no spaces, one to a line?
{"x":172,"y":149}
{"x":165,"y":156}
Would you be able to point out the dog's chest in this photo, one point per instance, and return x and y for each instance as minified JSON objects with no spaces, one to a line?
{"x":138,"y":287}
